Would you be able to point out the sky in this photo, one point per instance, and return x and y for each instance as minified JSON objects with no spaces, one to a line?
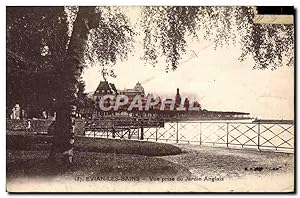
{"x":216,"y":78}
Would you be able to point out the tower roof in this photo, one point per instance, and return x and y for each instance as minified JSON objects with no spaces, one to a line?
{"x":139,"y":87}
{"x":105,"y":87}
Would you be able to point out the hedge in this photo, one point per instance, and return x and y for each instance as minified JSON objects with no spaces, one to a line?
{"x":40,"y":126}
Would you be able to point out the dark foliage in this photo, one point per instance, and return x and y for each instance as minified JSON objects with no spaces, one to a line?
{"x":36,"y":43}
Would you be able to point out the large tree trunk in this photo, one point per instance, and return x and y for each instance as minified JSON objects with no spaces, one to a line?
{"x":70,"y":72}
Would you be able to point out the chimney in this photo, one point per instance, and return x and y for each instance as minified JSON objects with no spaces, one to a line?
{"x":177,"y":91}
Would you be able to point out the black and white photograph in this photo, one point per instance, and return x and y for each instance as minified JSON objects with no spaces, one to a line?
{"x":156,"y":98}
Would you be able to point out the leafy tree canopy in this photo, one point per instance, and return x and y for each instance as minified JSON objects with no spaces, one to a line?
{"x":166,"y":29}
{"x":38,"y":38}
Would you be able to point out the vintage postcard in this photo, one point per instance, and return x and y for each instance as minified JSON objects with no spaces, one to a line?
{"x":150,"y":99}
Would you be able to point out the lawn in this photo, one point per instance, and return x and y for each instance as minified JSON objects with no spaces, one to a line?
{"x":27,"y":158}
{"x":34,"y":164}
{"x":87,"y":144}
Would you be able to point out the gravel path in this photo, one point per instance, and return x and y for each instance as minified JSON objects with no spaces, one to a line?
{"x":238,"y":170}
{"x":232,"y":163}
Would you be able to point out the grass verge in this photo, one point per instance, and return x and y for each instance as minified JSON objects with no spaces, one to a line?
{"x":34,"y":164}
{"x":86,"y":144}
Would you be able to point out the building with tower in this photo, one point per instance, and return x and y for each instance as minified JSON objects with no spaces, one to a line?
{"x":104,"y":88}
{"x":138,"y":89}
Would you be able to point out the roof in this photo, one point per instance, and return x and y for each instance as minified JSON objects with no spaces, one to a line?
{"x":226,"y":112}
{"x":113,"y":87}
{"x":105,"y":86}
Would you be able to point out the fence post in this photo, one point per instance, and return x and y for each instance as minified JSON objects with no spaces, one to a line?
{"x":200,"y":133}
{"x":142,"y":130}
{"x":156,"y":129}
{"x":113,"y":132}
{"x":227,"y":135}
{"x":258,"y":136}
{"x":177,"y":132}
